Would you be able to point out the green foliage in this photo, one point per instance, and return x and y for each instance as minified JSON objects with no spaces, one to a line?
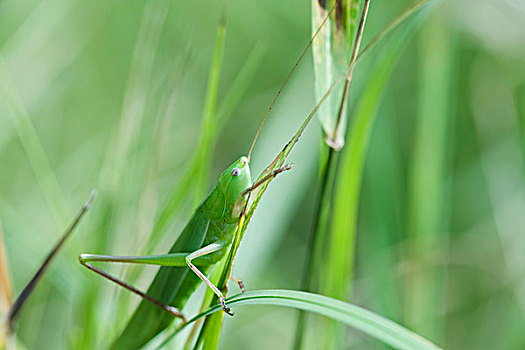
{"x":351,"y":315}
{"x":110,"y":95}
{"x":331,"y":52}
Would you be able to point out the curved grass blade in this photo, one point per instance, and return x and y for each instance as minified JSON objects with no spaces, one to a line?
{"x":351,"y":315}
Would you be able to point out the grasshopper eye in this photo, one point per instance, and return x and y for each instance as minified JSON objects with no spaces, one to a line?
{"x":236,"y":172}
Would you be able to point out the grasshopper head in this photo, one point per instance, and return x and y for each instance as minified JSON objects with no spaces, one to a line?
{"x":236,"y":179}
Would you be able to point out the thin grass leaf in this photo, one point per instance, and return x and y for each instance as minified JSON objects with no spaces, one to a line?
{"x":117,"y":168}
{"x":427,"y":214}
{"x":334,"y":141}
{"x":351,"y":315}
{"x":181,"y":190}
{"x":337,"y":263}
{"x":209,"y":114}
{"x":519,"y":98}
{"x":410,"y":10}
{"x":255,"y":197}
{"x":33,"y":148}
{"x":345,"y":213}
{"x":338,"y":268}
{"x":179,"y":193}
{"x":198,"y":172}
{"x":134,"y":104}
{"x":239,"y":86}
{"x":338,"y":274}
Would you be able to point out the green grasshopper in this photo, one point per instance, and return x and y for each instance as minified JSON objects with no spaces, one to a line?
{"x":204,"y":241}
{"x":207,"y":239}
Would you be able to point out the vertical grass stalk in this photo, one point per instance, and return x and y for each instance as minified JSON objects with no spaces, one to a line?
{"x":427,"y":206}
{"x":333,"y":138}
{"x":117,"y":169}
{"x":209,"y":113}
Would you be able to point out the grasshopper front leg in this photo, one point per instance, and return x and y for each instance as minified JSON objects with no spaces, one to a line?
{"x":204,"y":251}
{"x":268,"y":177}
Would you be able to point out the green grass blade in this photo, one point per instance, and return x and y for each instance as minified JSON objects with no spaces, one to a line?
{"x":412,"y":9}
{"x":181,"y":190}
{"x":127,"y":133}
{"x":351,"y":315}
{"x":519,"y":98}
{"x":337,"y":273}
{"x":337,"y":269}
{"x":33,"y":148}
{"x":209,"y":114}
{"x":120,"y":169}
{"x":195,"y":178}
{"x":239,"y":86}
{"x":179,"y":193}
{"x":210,"y":333}
{"x":428,"y":174}
{"x":334,"y":139}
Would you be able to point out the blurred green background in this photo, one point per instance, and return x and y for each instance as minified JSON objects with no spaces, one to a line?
{"x":109,"y":95}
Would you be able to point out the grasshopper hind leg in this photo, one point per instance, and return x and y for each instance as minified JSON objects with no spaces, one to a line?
{"x":170,"y":309}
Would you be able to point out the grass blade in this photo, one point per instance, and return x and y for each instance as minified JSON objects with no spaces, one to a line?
{"x":519,"y":98}
{"x":427,"y":216}
{"x":209,"y":114}
{"x":33,"y":148}
{"x":178,"y":194}
{"x":351,"y":315}
{"x":195,"y":179}
{"x":335,"y":141}
{"x":337,"y":272}
{"x":120,"y":160}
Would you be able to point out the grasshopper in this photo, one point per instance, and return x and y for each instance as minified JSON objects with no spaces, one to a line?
{"x":206,"y":240}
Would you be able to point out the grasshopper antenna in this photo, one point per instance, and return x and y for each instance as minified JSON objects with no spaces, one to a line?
{"x":26,"y":292}
{"x":290,"y":74}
